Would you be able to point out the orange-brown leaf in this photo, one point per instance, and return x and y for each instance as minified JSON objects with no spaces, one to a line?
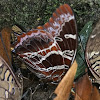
{"x":85,"y":90}
{"x":95,"y":94}
{"x":5,"y":35}
{"x":64,"y":87}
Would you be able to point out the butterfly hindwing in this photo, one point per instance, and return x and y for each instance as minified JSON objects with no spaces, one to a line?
{"x":10,"y":88}
{"x":93,"y":52}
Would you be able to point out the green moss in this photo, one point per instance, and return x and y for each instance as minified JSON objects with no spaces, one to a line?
{"x":86,"y":10}
{"x":31,"y":13}
{"x":26,"y":13}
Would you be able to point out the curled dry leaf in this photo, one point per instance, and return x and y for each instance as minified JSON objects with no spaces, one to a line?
{"x":64,"y":87}
{"x":85,"y":90}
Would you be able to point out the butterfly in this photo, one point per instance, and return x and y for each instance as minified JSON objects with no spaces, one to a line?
{"x":10,"y":87}
{"x":93,"y":53}
{"x":50,"y":50}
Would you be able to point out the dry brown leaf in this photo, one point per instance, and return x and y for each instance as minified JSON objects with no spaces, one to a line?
{"x":5,"y":35}
{"x":85,"y":90}
{"x":64,"y":87}
{"x":77,"y":97}
{"x":95,"y":94}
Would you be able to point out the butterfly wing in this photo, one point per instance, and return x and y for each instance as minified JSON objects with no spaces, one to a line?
{"x":62,"y":27}
{"x":10,"y":88}
{"x":38,"y":49}
{"x":50,"y":50}
{"x":93,"y":52}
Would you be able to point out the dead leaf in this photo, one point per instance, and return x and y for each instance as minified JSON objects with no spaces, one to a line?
{"x":85,"y":90}
{"x":64,"y":87}
{"x":95,"y":94}
{"x":5,"y":50}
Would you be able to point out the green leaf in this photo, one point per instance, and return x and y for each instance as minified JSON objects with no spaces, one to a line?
{"x":85,"y":32}
{"x":82,"y":40}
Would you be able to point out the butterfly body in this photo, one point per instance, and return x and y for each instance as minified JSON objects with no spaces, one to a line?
{"x":50,"y":49}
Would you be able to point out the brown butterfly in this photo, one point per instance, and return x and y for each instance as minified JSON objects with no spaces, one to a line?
{"x":10,"y":87}
{"x":49,"y":50}
{"x":93,"y":53}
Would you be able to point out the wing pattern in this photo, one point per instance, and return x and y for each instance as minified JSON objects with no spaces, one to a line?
{"x":93,"y":53}
{"x":10,"y":87}
{"x":50,"y":49}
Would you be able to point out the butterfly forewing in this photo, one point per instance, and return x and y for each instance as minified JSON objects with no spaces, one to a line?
{"x":50,"y":49}
{"x":10,"y":88}
{"x":93,"y":52}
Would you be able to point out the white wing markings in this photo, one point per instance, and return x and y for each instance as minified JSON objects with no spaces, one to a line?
{"x":67,"y":36}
